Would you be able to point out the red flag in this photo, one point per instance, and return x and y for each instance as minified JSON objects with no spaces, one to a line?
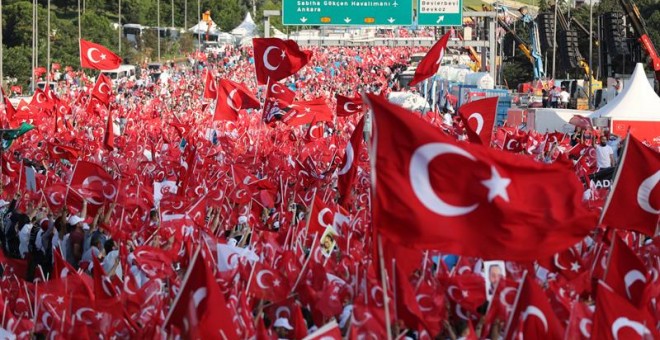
{"x":580,"y":324}
{"x":40,"y":100}
{"x":431,"y":62}
{"x":478,"y":202}
{"x":276,"y":59}
{"x":59,"y":151}
{"x":348,"y":106}
{"x":55,"y":196}
{"x":320,"y":217}
{"x":533,"y":315}
{"x":278,"y":96}
{"x":615,"y":318}
{"x":200,"y":307}
{"x":210,"y":86}
{"x":102,"y":89}
{"x":304,"y":112}
{"x":10,"y":111}
{"x":92,"y":178}
{"x":348,"y":170}
{"x":233,"y":97}
{"x":479,"y":119}
{"x":634,"y":202}
{"x":97,"y":57}
{"x":267,"y":283}
{"x":626,"y":273}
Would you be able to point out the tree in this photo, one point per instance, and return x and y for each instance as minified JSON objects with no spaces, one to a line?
{"x":17,"y":63}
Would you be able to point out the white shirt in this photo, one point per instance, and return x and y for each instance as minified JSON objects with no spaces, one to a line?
{"x":603,"y":154}
{"x":24,"y":238}
{"x":109,"y":262}
{"x":564,"y":96}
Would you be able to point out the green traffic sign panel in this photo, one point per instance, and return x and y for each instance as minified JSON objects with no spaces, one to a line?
{"x":347,"y":12}
{"x":440,"y":12}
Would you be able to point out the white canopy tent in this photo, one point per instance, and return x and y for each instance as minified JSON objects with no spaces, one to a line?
{"x":246,"y":29}
{"x":637,"y":107}
{"x":202,"y":27}
{"x":278,"y":34}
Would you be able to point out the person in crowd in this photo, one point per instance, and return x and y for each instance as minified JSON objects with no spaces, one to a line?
{"x":604,"y":154}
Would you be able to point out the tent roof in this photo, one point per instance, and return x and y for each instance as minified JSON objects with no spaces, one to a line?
{"x":201,"y":27}
{"x":278,"y":34}
{"x":246,"y":28}
{"x":637,"y":101}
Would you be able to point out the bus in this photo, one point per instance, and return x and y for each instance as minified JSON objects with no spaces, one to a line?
{"x":124,"y":71}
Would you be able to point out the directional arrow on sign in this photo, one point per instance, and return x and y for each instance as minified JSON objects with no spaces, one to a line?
{"x":347,"y":20}
{"x":303,"y":20}
{"x":391,"y":20}
{"x":440,"y":19}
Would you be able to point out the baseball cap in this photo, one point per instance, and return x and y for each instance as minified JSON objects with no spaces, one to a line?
{"x":75,"y":219}
{"x":283,"y":322}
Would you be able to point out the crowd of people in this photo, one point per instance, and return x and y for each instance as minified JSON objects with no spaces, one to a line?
{"x":117,"y":241}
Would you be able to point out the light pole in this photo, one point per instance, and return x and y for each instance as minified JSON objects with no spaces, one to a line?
{"x":554,"y":42}
{"x":158,"y":26}
{"x":591,"y":41}
{"x":119,"y":27}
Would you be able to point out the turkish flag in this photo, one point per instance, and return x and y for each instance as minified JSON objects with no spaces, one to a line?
{"x":615,"y":318}
{"x":10,"y":111}
{"x":305,"y":112}
{"x":200,"y":307}
{"x":210,"y":85}
{"x":348,"y":168}
{"x":580,"y":324}
{"x":93,"y":182}
{"x":320,"y":217}
{"x":102,"y":89}
{"x":626,"y":273}
{"x":55,"y":196}
{"x":634,"y":202}
{"x":276,"y":59}
{"x":40,"y":100}
{"x":479,"y":119}
{"x":514,"y":143}
{"x":59,"y":151}
{"x":348,"y":106}
{"x":532,"y":315}
{"x":233,"y":97}
{"x":431,"y":63}
{"x":432,"y":192}
{"x":278,"y":96}
{"x":267,"y":283}
{"x":97,"y":57}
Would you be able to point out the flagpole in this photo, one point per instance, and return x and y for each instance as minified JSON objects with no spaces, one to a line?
{"x":48,"y":47}
{"x":79,"y":23}
{"x":158,"y":26}
{"x":2,"y":77}
{"x":617,"y":172}
{"x":119,"y":28}
{"x":383,"y":278}
{"x":515,"y":304}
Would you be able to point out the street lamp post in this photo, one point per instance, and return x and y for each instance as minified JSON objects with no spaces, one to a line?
{"x":591,"y":41}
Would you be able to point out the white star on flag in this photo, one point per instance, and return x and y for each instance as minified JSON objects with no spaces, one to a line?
{"x":496,"y":185}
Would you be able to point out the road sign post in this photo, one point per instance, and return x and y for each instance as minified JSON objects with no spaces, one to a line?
{"x":440,"y":12}
{"x":347,"y":12}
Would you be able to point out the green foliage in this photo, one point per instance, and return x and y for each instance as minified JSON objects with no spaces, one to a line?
{"x":17,"y":64}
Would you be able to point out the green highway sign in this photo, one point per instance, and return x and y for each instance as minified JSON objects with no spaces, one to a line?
{"x":440,"y":12}
{"x":347,"y":12}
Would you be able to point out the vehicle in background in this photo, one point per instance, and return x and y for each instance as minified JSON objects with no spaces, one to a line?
{"x":124,"y":71}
